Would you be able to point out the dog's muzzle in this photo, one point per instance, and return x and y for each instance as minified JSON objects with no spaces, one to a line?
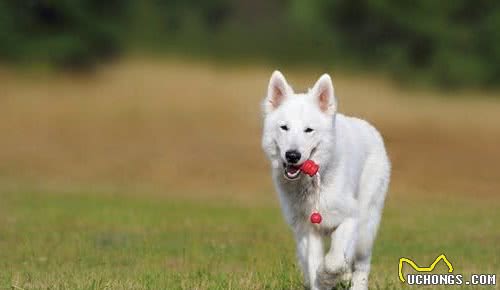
{"x":291,"y":171}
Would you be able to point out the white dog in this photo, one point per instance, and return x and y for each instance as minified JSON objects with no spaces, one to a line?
{"x":354,"y":176}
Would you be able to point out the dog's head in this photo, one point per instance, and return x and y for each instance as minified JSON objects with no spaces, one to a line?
{"x":295,"y":125}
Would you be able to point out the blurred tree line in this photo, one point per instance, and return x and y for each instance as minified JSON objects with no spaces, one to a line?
{"x":450,"y":43}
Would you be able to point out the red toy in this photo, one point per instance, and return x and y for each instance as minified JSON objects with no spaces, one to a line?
{"x":316,"y":218}
{"x":309,"y":167}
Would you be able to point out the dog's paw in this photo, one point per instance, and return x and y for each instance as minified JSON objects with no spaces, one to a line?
{"x":306,"y":285}
{"x":336,"y":265}
{"x":327,"y":279}
{"x":333,"y":276}
{"x":346,"y":276}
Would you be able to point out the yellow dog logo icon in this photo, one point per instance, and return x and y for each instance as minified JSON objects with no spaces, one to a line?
{"x":423,"y":269}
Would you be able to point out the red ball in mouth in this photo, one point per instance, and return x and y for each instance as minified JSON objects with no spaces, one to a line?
{"x":316,"y":218}
{"x":292,"y":171}
{"x":309,"y":167}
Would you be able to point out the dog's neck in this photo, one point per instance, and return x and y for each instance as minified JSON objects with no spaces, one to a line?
{"x":326,"y":155}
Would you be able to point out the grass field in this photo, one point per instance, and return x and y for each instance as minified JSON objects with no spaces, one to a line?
{"x":82,"y":240}
{"x":149,"y":175}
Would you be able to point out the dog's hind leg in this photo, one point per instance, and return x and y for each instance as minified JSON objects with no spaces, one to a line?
{"x":361,"y":264}
{"x":374,"y":184}
{"x":361,"y":273}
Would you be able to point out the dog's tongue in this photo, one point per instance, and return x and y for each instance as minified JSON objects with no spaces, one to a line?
{"x":292,"y":169}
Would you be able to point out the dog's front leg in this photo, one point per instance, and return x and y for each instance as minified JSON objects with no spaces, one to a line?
{"x":314,"y":257}
{"x":339,"y":258}
{"x":301,"y":237}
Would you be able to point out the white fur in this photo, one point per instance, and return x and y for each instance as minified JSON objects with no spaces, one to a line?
{"x":355,"y":173}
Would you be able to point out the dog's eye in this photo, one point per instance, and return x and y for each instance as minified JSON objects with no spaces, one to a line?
{"x":284,"y":128}
{"x":308,"y":130}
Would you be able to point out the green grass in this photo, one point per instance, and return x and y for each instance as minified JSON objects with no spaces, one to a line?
{"x":51,"y":240}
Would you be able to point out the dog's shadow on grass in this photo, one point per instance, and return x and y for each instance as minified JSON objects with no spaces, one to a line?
{"x":344,"y":285}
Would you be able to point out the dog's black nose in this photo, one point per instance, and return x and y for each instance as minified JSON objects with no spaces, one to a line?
{"x":292,"y":156}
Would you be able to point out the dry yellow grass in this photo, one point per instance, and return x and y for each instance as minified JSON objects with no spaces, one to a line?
{"x":180,"y":125}
{"x":192,"y":130}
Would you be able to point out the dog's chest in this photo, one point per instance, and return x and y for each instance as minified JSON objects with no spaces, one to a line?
{"x":304,"y":197}
{"x":301,"y":200}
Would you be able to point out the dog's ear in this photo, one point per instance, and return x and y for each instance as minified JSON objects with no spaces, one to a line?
{"x":324,"y":95}
{"x":277,"y":91}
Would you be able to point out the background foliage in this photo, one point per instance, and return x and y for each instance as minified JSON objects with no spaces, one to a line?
{"x":447,"y":43}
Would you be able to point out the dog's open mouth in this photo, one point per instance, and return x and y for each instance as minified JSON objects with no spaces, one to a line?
{"x":291,"y":171}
